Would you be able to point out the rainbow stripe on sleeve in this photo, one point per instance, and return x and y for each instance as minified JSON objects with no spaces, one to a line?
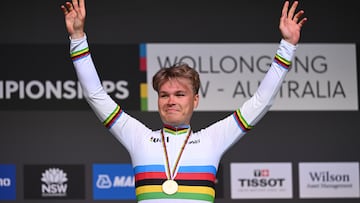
{"x":241,"y":121}
{"x":282,"y":62}
{"x":113,"y":117}
{"x":195,"y":182}
{"x":77,"y":55}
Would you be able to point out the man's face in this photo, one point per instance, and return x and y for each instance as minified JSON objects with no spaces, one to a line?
{"x":177,"y":101}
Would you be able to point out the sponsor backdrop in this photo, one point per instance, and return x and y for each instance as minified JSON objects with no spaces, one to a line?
{"x":315,"y":82}
{"x":52,"y":147}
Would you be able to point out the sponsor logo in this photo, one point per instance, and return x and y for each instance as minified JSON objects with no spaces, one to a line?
{"x":155,"y":139}
{"x":158,"y":139}
{"x":261,"y":172}
{"x":54,"y":182}
{"x":103,"y":181}
{"x":167,"y":139}
{"x":261,"y":180}
{"x":329,"y":180}
{"x":113,"y":182}
{"x":7,"y":182}
{"x":197,"y":141}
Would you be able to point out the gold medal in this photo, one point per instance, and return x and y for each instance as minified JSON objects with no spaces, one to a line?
{"x":170,"y":187}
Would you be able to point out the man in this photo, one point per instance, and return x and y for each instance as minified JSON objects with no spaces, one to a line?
{"x":182,"y":167}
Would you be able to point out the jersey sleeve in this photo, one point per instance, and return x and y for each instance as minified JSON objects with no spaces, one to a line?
{"x":120,"y":124}
{"x":262,"y":100}
{"x":229,"y":130}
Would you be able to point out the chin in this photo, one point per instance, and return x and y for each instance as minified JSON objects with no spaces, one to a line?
{"x":172,"y":123}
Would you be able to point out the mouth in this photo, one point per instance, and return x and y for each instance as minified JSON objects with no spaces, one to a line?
{"x":171,"y":110}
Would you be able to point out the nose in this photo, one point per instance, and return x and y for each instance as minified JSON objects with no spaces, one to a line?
{"x":171,"y":100}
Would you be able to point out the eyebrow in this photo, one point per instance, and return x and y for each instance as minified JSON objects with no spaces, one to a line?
{"x":176,"y":92}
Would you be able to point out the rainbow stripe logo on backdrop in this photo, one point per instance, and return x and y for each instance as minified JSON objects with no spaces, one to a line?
{"x":143,"y":86}
{"x":113,"y":182}
{"x":7,"y":182}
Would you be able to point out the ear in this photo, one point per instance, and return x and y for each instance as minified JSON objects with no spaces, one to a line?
{"x":196,"y":100}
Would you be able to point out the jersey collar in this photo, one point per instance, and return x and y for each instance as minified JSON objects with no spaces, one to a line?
{"x":176,"y":130}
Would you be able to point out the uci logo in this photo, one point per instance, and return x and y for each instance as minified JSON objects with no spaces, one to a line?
{"x":157,"y":139}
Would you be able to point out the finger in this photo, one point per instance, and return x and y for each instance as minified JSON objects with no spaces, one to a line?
{"x":75,"y":3}
{"x":69,"y":6}
{"x":64,"y":10}
{"x":82,"y":4}
{"x":298,"y":16}
{"x":292,"y":9}
{"x":285,"y":9}
{"x":79,"y":6}
{"x":302,"y":22}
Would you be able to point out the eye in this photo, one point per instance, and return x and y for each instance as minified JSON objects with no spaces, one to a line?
{"x":180,"y":94}
{"x":163,"y":95}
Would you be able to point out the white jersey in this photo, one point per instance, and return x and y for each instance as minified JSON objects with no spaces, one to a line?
{"x":196,"y":170}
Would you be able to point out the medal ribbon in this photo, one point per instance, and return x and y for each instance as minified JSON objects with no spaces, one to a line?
{"x":178,"y":158}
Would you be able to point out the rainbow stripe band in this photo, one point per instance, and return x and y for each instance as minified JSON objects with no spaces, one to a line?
{"x":113,"y":117}
{"x":195,"y":182}
{"x":190,"y":183}
{"x":76,"y":55}
{"x":282,"y":62}
{"x":175,"y":131}
{"x":178,"y":195}
{"x":241,"y":121}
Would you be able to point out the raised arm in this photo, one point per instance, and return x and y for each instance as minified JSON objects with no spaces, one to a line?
{"x":75,"y":14}
{"x":290,"y":26}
